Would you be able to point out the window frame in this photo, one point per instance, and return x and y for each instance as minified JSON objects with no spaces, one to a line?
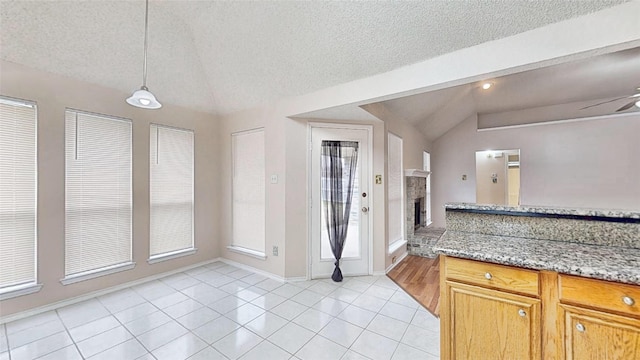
{"x":109,"y":269}
{"x":397,"y":243}
{"x":153,"y":259}
{"x":33,"y":286}
{"x":234,"y":247}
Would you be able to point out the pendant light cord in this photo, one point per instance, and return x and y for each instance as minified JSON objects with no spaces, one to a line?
{"x":146,"y":30}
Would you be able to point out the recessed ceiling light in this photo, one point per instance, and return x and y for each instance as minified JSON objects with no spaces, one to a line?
{"x":487,"y":85}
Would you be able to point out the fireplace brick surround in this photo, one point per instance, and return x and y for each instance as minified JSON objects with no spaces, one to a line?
{"x":420,"y":238}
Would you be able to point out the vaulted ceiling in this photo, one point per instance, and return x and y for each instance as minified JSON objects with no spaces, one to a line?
{"x":565,"y":91}
{"x":225,"y":56}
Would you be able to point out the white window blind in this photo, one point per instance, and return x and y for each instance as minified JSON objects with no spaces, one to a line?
{"x":18,"y":181}
{"x":98,"y":210}
{"x":395,"y":189}
{"x":249,"y":190}
{"x":171,"y":162}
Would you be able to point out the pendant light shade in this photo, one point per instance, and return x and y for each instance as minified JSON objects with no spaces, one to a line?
{"x":143,"y":98}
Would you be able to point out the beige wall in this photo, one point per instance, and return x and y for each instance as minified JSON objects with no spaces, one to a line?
{"x":594,"y":163}
{"x":274,"y":130}
{"x":287,"y":224}
{"x":413,"y":146}
{"x":53,"y":94}
{"x":609,"y":30}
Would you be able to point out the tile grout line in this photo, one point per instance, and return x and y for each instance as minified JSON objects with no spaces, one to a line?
{"x":360,"y":292}
{"x":6,"y":338}
{"x":69,"y":335}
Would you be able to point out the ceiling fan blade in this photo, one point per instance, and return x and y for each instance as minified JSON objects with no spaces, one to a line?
{"x":628,"y":106}
{"x":604,"y":102}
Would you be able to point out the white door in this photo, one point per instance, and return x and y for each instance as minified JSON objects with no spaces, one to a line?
{"x":355,"y":255}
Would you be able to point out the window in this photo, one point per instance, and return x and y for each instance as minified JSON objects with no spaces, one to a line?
{"x":171,"y":194}
{"x":97,"y":195}
{"x":18,"y":181}
{"x":427,"y":167}
{"x":395,"y":192}
{"x":248,"y":193}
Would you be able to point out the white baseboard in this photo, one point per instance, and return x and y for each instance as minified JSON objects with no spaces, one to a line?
{"x":397,"y":262}
{"x":254,"y":270}
{"x":87,"y":296}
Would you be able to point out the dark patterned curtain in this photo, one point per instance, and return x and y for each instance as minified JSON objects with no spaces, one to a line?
{"x":339,"y":159}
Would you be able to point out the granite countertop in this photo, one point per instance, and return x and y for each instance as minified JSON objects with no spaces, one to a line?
{"x":545,"y":210}
{"x":610,"y":263}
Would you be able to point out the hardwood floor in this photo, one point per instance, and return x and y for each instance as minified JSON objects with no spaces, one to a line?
{"x":420,"y":277}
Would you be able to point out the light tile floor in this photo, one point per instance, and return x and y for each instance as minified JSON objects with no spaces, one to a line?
{"x":219,"y":311}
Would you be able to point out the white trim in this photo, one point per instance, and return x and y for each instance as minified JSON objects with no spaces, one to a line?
{"x":93,"y":294}
{"x":255,"y":270}
{"x":558,"y":122}
{"x":333,"y":125}
{"x":379,"y":273}
{"x":396,"y":263}
{"x":396,"y":245}
{"x":232,"y":247}
{"x":249,"y":252}
{"x":416,"y":173}
{"x":92,"y":274}
{"x":296,"y":279}
{"x":171,"y":255}
{"x":20,"y":290}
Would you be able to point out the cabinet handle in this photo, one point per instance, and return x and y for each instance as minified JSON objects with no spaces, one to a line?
{"x":522,"y":313}
{"x":627,"y":300}
{"x":488,"y":276}
{"x":580,"y":327}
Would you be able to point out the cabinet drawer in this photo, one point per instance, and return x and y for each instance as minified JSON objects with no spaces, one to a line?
{"x":600,"y":294}
{"x":492,"y":275}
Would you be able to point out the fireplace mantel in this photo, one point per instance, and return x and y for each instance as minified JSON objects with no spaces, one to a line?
{"x":416,"y":173}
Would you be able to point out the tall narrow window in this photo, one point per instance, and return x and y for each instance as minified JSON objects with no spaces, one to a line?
{"x":248,"y":192}
{"x":427,"y":167}
{"x":17,"y":198}
{"x":171,"y":162}
{"x":395,"y":191}
{"x":97,"y":195}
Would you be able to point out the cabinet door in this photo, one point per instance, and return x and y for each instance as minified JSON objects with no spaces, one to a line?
{"x":492,"y":324}
{"x":597,"y":335}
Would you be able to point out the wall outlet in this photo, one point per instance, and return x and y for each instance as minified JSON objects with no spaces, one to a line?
{"x":464,"y":177}
{"x":274,"y":179}
{"x":275,"y":250}
{"x":378,"y":179}
{"x":393,"y":259}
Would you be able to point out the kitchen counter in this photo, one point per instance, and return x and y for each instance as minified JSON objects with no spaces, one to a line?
{"x":620,"y":264}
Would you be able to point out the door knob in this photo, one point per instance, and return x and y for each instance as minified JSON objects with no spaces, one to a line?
{"x":365,"y":209}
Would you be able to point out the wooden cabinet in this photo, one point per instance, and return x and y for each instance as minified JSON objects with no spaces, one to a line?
{"x":491,"y":311}
{"x":491,"y":322}
{"x":596,"y":335}
{"x":601,"y":319}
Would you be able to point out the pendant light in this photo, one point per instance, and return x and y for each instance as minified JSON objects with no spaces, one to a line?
{"x":143,"y":98}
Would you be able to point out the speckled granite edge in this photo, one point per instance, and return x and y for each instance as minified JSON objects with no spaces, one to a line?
{"x":598,"y":262}
{"x":548,"y":210}
{"x":589,"y":232}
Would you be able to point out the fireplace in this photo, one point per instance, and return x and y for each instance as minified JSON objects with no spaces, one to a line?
{"x":415,"y":204}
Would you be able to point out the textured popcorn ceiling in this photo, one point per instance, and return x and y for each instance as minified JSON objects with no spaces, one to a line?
{"x":222,"y":57}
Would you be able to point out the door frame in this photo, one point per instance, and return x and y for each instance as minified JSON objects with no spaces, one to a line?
{"x":369,"y":130}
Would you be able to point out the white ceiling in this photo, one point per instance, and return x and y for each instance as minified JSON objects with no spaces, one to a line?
{"x":226,"y":56}
{"x":546,"y":94}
